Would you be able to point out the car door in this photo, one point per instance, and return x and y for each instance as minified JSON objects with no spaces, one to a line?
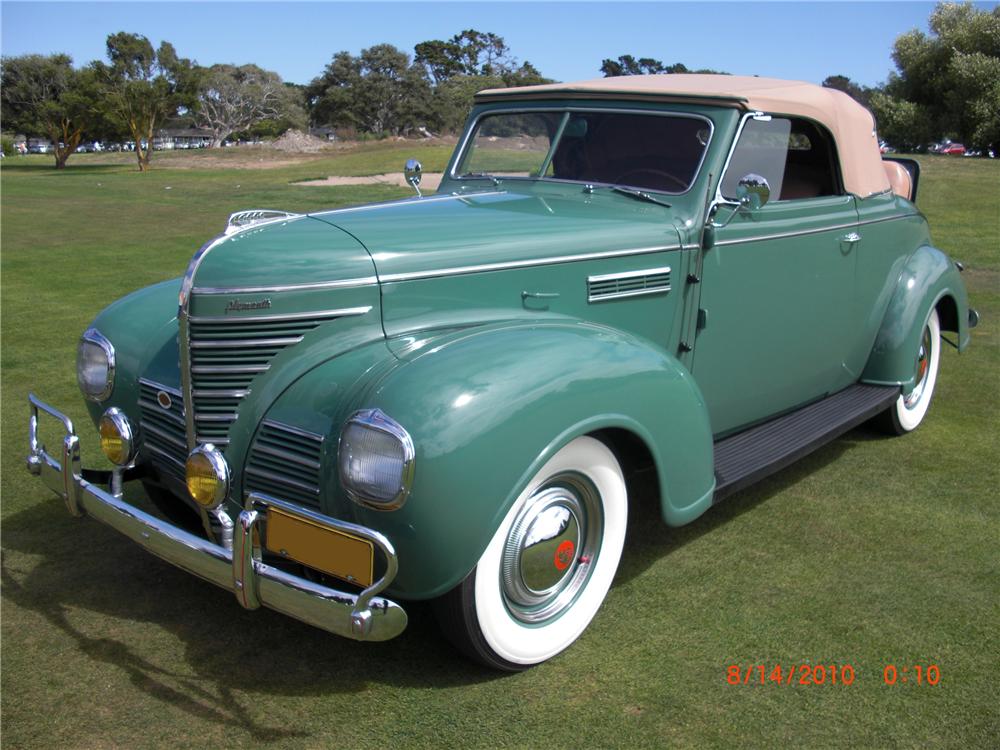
{"x":776,"y":291}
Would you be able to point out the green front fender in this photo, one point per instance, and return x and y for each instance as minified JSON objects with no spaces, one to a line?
{"x":487,"y":407}
{"x":929,"y":279}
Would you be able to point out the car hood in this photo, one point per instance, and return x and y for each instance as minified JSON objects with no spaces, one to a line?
{"x":295,"y":252}
{"x":430,"y":236}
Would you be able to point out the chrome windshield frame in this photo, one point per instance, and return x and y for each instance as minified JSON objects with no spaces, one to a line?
{"x":461,"y":150}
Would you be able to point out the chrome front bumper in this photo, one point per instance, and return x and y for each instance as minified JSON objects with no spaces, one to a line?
{"x":361,"y":616}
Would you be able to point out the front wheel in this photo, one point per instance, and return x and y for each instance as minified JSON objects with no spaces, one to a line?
{"x":908,"y":411}
{"x":549,"y":566}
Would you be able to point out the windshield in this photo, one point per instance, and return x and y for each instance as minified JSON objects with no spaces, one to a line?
{"x":650,"y":151}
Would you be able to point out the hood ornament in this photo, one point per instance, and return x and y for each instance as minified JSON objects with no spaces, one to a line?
{"x":244,"y":219}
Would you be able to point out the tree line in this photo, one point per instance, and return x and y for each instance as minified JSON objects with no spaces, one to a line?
{"x":946,"y":84}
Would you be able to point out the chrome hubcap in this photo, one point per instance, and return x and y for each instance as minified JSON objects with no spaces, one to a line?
{"x":551,"y":548}
{"x":923,"y":363}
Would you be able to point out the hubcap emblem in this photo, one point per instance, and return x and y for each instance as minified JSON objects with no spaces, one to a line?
{"x":564,"y":555}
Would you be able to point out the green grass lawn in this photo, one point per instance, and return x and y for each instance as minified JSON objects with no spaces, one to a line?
{"x":872,"y":551}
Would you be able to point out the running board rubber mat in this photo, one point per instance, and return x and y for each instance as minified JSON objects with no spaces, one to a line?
{"x":749,"y":456}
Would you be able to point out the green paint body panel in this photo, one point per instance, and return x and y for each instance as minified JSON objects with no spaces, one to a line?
{"x":474,"y":329}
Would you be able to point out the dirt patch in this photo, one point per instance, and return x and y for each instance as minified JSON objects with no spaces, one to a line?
{"x":297,"y":142}
{"x":430,"y":181}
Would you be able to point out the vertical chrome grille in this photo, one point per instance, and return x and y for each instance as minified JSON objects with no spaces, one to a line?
{"x":162,"y":430}
{"x":226,"y":354}
{"x":285,"y":462}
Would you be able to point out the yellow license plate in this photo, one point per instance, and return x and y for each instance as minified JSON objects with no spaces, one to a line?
{"x":335,"y":552}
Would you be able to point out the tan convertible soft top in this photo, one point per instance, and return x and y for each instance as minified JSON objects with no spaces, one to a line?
{"x":852,"y":126}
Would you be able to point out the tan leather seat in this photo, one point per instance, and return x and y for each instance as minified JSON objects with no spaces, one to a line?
{"x":899,"y":179}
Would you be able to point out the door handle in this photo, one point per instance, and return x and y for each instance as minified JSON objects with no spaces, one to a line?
{"x":851,"y":237}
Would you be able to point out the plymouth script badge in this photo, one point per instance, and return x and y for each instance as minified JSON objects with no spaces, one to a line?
{"x":236,"y":305}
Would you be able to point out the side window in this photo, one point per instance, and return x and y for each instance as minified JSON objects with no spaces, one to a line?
{"x":795,"y":156}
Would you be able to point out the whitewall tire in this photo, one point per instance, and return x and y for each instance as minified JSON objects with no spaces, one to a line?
{"x":548,"y":567}
{"x":909,"y":410}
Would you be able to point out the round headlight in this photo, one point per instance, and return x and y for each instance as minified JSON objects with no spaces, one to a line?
{"x":376,"y":460}
{"x":207,"y":475}
{"x":117,"y":438}
{"x":95,"y":365}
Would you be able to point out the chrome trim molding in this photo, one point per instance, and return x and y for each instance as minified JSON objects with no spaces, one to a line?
{"x":161,"y":387}
{"x":457,"y":271}
{"x":235,"y":565}
{"x":339,"y":284}
{"x":274,"y":423}
{"x":331,"y":314}
{"x":280,"y":479}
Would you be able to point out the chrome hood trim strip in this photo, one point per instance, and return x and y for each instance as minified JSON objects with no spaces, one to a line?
{"x":504,"y":266}
{"x":338,"y":284}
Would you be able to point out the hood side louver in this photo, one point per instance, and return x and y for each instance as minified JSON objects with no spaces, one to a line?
{"x":628,"y":284}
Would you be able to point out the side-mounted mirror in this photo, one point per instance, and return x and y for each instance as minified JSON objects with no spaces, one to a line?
{"x":753,"y":191}
{"x":412,"y":171}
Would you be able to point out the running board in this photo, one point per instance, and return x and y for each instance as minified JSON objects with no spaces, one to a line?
{"x":749,"y":456}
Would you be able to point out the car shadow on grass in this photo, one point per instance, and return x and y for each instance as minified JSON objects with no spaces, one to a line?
{"x":57,"y":567}
{"x":229,"y":651}
{"x":649,"y":539}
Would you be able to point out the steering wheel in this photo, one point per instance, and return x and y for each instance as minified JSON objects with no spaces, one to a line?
{"x":622,"y":178}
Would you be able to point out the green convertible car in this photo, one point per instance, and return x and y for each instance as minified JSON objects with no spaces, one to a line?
{"x":447,"y":397}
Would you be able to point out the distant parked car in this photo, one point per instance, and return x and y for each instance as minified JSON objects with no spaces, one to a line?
{"x":953,"y":149}
{"x":39,"y":148}
{"x":885,"y":148}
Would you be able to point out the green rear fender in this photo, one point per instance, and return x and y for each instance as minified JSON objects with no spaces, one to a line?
{"x":929,"y":279}
{"x":487,"y":407}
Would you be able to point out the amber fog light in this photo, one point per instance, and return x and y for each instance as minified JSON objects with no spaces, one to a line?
{"x":117,"y":438}
{"x":207,"y":475}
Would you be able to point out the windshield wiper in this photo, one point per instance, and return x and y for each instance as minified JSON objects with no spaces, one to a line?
{"x":640,"y":194}
{"x":485,"y":175}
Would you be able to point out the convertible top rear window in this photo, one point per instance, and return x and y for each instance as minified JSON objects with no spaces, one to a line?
{"x":650,"y":151}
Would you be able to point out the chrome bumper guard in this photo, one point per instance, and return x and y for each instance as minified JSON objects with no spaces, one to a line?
{"x":361,"y":616}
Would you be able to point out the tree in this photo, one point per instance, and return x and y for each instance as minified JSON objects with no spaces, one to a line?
{"x":469,"y":53}
{"x":232,"y":99}
{"x":144,"y":87}
{"x":859,"y":93}
{"x":904,"y":124}
{"x":45,"y":94}
{"x":627,"y":65}
{"x":953,"y":73}
{"x":379,"y":91}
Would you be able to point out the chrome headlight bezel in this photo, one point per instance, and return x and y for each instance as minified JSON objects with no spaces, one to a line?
{"x":375,"y":420}
{"x":93,"y":340}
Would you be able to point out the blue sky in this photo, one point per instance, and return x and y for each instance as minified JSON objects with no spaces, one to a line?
{"x":565,"y":40}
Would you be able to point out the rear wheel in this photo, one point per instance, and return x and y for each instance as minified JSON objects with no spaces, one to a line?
{"x":549,"y":566}
{"x":909,"y":410}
